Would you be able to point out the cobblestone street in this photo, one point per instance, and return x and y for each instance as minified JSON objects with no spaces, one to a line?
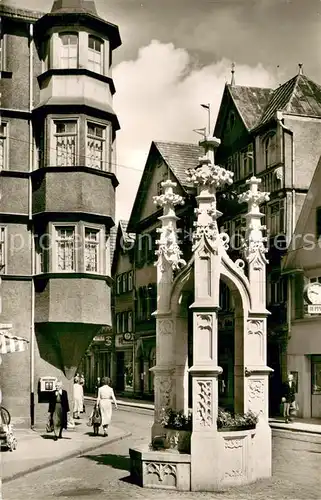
{"x":104,"y":473}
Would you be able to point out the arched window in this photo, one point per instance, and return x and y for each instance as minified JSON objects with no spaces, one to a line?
{"x":270,"y":150}
{"x":69,"y":50}
{"x":95,"y":54}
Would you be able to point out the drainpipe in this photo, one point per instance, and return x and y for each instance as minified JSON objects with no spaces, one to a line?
{"x":290,"y":288}
{"x":31,"y":159}
{"x":290,"y":132}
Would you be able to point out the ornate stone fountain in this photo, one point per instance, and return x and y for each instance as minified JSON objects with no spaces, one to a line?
{"x":217,"y":459}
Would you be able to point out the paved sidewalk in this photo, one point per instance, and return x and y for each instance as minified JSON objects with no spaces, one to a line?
{"x":311,"y":426}
{"x":134,"y":403}
{"x":37,"y":449}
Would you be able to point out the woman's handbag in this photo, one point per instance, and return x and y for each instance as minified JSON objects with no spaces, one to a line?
{"x":49,"y":425}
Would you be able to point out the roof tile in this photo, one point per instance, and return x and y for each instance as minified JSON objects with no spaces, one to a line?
{"x":250,"y":102}
{"x":180,"y":157}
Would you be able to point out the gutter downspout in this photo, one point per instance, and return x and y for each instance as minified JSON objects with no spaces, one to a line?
{"x":31,"y":160}
{"x":290,"y":280}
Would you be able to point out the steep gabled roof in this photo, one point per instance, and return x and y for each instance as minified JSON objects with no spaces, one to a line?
{"x":256,"y":106}
{"x":298,"y":96}
{"x":250,"y":102}
{"x":119,"y":237}
{"x":128,"y":237}
{"x":297,"y":242}
{"x":178,"y":156}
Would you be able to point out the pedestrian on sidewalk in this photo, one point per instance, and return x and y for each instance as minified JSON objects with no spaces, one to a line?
{"x":105,"y":397}
{"x":82,"y":383}
{"x":95,"y":419}
{"x":78,"y":398}
{"x":58,"y":409}
{"x":288,"y":400}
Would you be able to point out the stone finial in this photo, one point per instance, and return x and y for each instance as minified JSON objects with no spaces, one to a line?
{"x":253,"y":196}
{"x":255,"y":248}
{"x":168,"y":199}
{"x":168,"y":250}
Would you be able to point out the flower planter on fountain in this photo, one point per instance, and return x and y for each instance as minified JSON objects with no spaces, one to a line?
{"x":177,"y":429}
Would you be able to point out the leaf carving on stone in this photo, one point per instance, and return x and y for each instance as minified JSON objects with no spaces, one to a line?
{"x":165,"y":326}
{"x":204,"y":322}
{"x":256,"y":390}
{"x":161,"y":470}
{"x":255,"y":327}
{"x":163,"y":388}
{"x":233,"y":443}
{"x":204,"y":402}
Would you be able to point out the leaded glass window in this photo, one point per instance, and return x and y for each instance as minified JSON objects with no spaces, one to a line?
{"x":91,"y":250}
{"x":65,"y":240}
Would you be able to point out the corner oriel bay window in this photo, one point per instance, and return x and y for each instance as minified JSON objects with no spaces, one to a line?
{"x":95,"y":54}
{"x":69,"y":50}
{"x":92,"y":250}
{"x":3,"y":146}
{"x":65,"y":248}
{"x":65,"y":137}
{"x":96,"y":146}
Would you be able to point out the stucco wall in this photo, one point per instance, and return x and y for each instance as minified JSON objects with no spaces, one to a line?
{"x":74,"y":192}
{"x":73,"y":300}
{"x":307,"y":148}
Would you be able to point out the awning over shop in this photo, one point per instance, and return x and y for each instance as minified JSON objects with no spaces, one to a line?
{"x":11,"y":343}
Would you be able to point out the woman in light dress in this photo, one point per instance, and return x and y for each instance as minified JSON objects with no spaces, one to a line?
{"x":78,"y":398}
{"x":105,"y":397}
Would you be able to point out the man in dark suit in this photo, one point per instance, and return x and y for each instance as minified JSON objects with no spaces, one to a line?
{"x":288,"y":399}
{"x":58,"y":409}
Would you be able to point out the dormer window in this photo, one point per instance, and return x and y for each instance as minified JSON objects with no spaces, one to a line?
{"x":69,"y":50}
{"x":95,"y":54}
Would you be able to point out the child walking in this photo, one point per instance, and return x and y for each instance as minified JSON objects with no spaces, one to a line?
{"x":95,"y":419}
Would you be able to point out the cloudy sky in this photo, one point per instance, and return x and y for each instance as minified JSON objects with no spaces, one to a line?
{"x":177,"y":54}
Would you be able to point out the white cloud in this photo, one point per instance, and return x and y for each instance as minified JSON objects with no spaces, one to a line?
{"x":158,"y":98}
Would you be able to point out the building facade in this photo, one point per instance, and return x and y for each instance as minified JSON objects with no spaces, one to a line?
{"x":58,"y":181}
{"x":302,"y":268}
{"x":274,"y":135}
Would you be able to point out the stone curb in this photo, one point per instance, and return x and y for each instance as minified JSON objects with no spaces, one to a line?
{"x":72,"y":454}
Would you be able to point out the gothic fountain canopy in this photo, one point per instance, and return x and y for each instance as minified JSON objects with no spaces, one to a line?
{"x":208,"y":178}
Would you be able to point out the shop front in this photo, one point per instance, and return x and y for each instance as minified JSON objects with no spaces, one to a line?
{"x":124,"y":373}
{"x":304,"y":361}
